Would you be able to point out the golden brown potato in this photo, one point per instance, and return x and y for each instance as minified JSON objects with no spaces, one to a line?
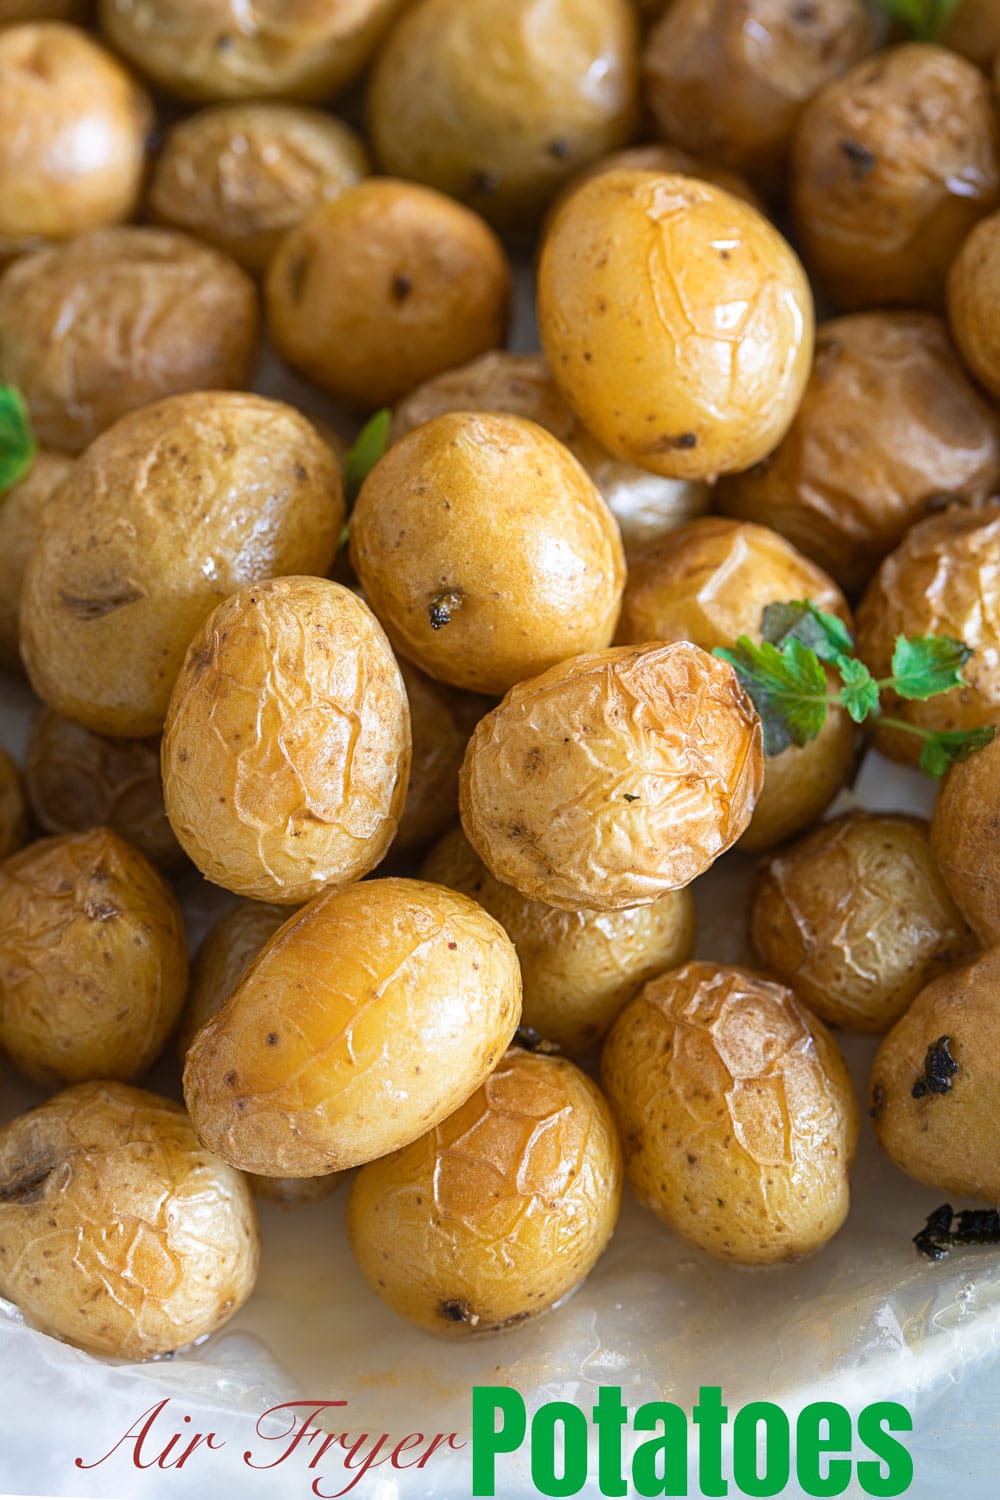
{"x":117,"y":319}
{"x":728,"y":78}
{"x":382,"y":288}
{"x":857,"y":918}
{"x":227,"y":951}
{"x":13,"y":812}
{"x":578,"y":968}
{"x":118,"y":1231}
{"x":240,"y":176}
{"x":973,"y":296}
{"x":964,"y":839}
{"x":369,"y":1018}
{"x":736,"y":1111}
{"x":93,"y":959}
{"x":676,"y":320}
{"x":441,"y":720}
{"x":498,"y":102}
{"x":891,"y":166}
{"x":21,"y":511}
{"x":801,"y":782}
{"x":166,"y":513}
{"x":614,"y":777}
{"x":660,"y":156}
{"x":973,"y":29}
{"x":15,"y":11}
{"x":486,"y":551}
{"x":935,"y":1088}
{"x":501,"y":1210}
{"x":286,"y":751}
{"x":888,"y":422}
{"x":73,"y":128}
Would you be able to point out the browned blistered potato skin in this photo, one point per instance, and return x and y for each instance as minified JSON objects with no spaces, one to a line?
{"x":487,"y":551}
{"x":21,"y":511}
{"x":441,"y":720}
{"x":949,"y":1140}
{"x":167,"y":513}
{"x":965,"y":837}
{"x":676,"y":320}
{"x":385,"y":286}
{"x":889,"y":420}
{"x":498,"y":102}
{"x":891,"y":166}
{"x":941,"y":580}
{"x":73,"y":128}
{"x":578,"y":968}
{"x":857,"y":917}
{"x":93,"y":959}
{"x":286,"y":751}
{"x":973,"y":296}
{"x":117,"y":319}
{"x":736,"y":1111}
{"x":728,"y":78}
{"x":370,"y":1016}
{"x":614,"y":777}
{"x":13,"y":812}
{"x":118,"y":1231}
{"x":498,"y":1212}
{"x":226,"y":952}
{"x":240,"y":176}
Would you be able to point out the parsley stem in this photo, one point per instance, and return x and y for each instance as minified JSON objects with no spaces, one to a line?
{"x":890,"y":723}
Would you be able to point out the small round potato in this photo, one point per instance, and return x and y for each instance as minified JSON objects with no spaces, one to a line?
{"x":240,"y":176}
{"x":385,"y":286}
{"x":659,"y":156}
{"x":21,"y":510}
{"x":578,"y":968}
{"x":613,"y":778}
{"x":166,"y":513}
{"x":964,"y":838}
{"x":118,"y":1231}
{"x":973,"y":294}
{"x":676,"y":320}
{"x":501,"y":1210}
{"x":286,"y":751}
{"x":486,"y":551}
{"x":369,"y":1018}
{"x":441,"y":720}
{"x":736,"y":1112}
{"x":13,"y":812}
{"x":93,"y":959}
{"x":117,"y":319}
{"x":856,"y":916}
{"x":226,"y":952}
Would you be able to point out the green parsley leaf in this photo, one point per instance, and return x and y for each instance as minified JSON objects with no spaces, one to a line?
{"x":926,"y":665}
{"x":946,"y":748}
{"x":802,"y":620}
{"x":17,"y":441}
{"x":788,"y":688}
{"x":925,"y":18}
{"x":859,"y":694}
{"x":369,"y":446}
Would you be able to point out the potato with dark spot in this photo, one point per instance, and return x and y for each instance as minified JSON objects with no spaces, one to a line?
{"x":22,"y":508}
{"x":498,"y":1212}
{"x":441,"y":720}
{"x":965,"y":837}
{"x":13,"y":811}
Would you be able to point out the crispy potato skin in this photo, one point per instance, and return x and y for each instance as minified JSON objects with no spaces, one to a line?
{"x":167,"y":513}
{"x":857,"y":917}
{"x":21,"y":516}
{"x":614,"y":777}
{"x":13,"y":810}
{"x":369,"y":1017}
{"x":93,"y":959}
{"x":737,"y":1114}
{"x":973,"y":297}
{"x":226,"y":952}
{"x":118,"y":1231}
{"x":500,"y":1210}
{"x":965,"y":837}
{"x":441,"y":720}
{"x":286,"y":751}
{"x":636,"y":273}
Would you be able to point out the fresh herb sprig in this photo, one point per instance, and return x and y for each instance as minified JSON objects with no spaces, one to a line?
{"x":18,"y":448}
{"x":926,"y":19}
{"x":787,"y":679}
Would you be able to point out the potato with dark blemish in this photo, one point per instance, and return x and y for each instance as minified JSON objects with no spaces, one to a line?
{"x":22,"y":508}
{"x":505,"y":1207}
{"x":13,"y":810}
{"x":965,"y":836}
{"x":118,"y":1230}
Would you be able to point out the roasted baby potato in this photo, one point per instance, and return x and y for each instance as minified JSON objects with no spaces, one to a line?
{"x":226,"y":952}
{"x":973,"y":294}
{"x":964,"y":839}
{"x":21,"y":511}
{"x":661,"y":156}
{"x":13,"y":812}
{"x":441,"y":720}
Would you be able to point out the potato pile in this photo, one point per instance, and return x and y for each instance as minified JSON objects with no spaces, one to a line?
{"x":460,"y":678}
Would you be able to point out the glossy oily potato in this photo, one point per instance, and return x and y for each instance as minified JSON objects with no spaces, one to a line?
{"x":226,"y":952}
{"x":736,"y":1111}
{"x":677,"y":322}
{"x":371,"y":1016}
{"x":13,"y":810}
{"x":286,"y":751}
{"x":973,"y":296}
{"x":441,"y":720}
{"x":964,"y":837}
{"x":21,"y":510}
{"x":500,"y":1210}
{"x":118,"y":1230}
{"x":662,"y":156}
{"x":613,"y":778}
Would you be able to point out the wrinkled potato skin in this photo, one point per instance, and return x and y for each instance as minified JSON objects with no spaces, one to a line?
{"x":546,"y":781}
{"x":21,"y":510}
{"x":498,"y":102}
{"x":736,"y":1111}
{"x":857,"y":917}
{"x":501,"y":1210}
{"x":117,"y":319}
{"x":240,"y":176}
{"x":73,"y":128}
{"x":227,"y":951}
{"x":13,"y":812}
{"x":950,"y":1141}
{"x":578,"y":968}
{"x":93,"y":959}
{"x":286,"y":751}
{"x":884,"y":231}
{"x":118,"y":1231}
{"x":490,"y":512}
{"x":973,"y":296}
{"x":632,"y":273}
{"x":441,"y":720}
{"x":389,"y":284}
{"x":218,"y":490}
{"x":964,"y":837}
{"x":889,"y":420}
{"x":389,"y":1001}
